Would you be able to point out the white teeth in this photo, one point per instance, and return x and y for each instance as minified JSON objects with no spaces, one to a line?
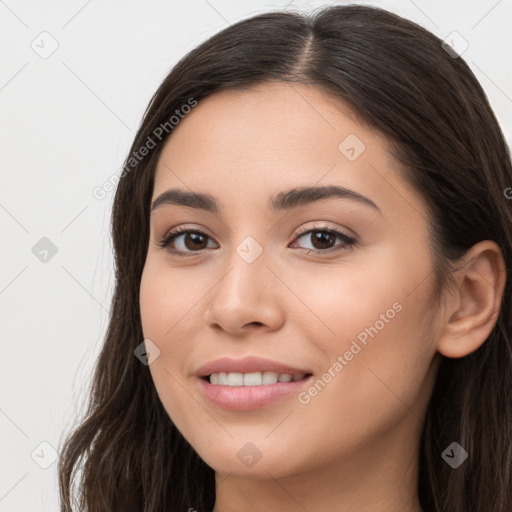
{"x":235,"y":379}
{"x":270,"y":377}
{"x":253,"y":378}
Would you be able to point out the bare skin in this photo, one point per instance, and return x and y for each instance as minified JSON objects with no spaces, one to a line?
{"x":352,"y":445}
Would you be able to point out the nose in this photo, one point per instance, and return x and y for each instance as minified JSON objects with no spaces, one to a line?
{"x":245,"y":298}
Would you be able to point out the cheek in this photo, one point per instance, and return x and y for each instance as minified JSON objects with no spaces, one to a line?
{"x":163,"y":309}
{"x":167,"y":299}
{"x":375,"y":316}
{"x":170,"y":305}
{"x":169,"y":309}
{"x":162,"y":317}
{"x":342,"y":301}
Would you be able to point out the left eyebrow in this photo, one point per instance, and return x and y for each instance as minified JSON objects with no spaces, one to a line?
{"x":287,"y":200}
{"x":306,"y":195}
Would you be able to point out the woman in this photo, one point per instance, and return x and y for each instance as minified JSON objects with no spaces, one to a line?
{"x":311,"y":308}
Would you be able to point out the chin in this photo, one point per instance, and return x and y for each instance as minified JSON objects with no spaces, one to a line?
{"x":247,"y":459}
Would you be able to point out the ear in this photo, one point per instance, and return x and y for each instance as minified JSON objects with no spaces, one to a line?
{"x":473,"y":305}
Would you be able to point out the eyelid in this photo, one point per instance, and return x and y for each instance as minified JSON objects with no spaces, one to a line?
{"x":180,"y":228}
{"x":324,"y":227}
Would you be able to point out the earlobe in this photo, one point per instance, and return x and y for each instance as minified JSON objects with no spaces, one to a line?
{"x":475,"y":302}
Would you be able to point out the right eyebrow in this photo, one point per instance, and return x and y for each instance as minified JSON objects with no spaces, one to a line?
{"x":183,"y":198}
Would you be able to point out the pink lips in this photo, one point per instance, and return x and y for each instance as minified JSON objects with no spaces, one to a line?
{"x":245,"y":398}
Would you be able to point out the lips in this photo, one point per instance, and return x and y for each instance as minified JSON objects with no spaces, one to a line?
{"x":231,"y":392}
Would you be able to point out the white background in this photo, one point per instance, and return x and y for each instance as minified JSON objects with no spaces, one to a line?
{"x":68,"y":121}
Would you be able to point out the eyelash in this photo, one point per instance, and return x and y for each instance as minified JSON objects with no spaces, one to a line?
{"x":349,"y":242}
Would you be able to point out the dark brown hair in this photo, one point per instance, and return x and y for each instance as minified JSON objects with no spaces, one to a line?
{"x":126,"y":453}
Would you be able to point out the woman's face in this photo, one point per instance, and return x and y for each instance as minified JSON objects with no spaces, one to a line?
{"x":353,"y":316}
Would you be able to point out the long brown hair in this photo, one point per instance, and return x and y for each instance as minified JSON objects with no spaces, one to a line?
{"x":126,"y":453}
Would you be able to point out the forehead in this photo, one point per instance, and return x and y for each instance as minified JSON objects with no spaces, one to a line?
{"x":251,"y":143}
{"x":276,"y":118}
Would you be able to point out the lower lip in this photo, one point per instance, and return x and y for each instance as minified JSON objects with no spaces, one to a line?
{"x":248,"y":398}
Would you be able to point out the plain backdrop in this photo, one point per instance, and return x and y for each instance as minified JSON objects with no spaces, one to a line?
{"x":75,"y":79}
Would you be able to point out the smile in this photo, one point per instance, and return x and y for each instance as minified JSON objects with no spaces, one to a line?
{"x":252,"y":379}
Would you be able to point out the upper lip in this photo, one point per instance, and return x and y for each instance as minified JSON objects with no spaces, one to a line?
{"x":248,"y":364}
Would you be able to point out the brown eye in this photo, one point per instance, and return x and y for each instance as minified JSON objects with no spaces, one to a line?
{"x":323,"y":240}
{"x":185,"y":242}
{"x":194,"y":241}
